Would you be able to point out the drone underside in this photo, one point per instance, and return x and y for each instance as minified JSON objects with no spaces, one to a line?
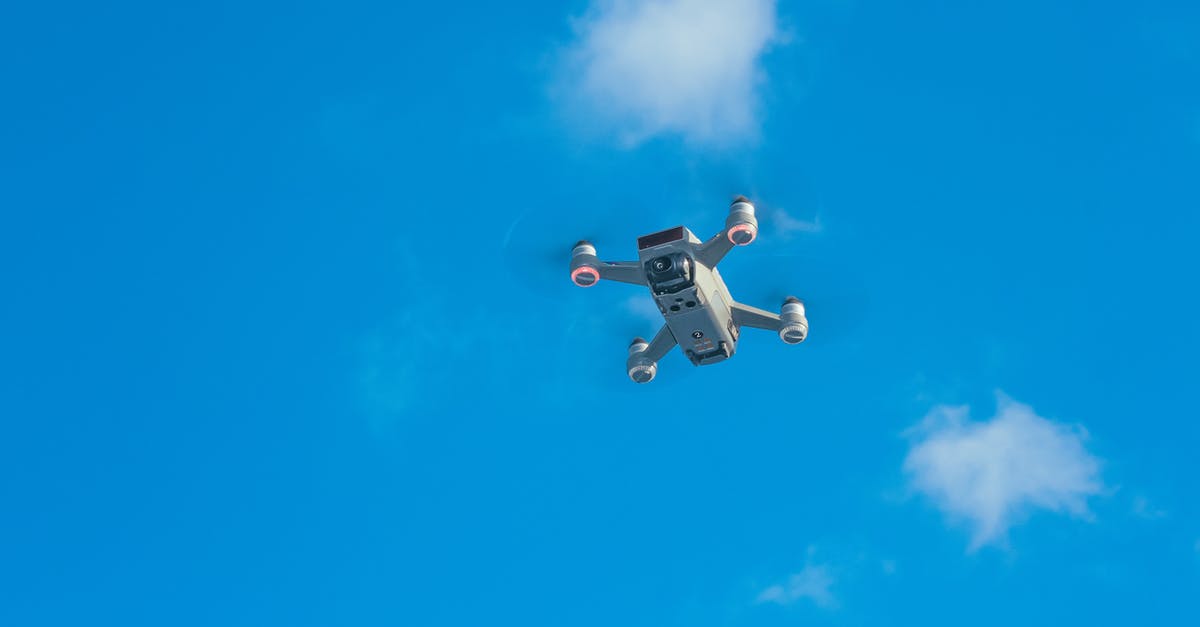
{"x":681,"y":273}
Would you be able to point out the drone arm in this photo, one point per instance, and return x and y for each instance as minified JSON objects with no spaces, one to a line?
{"x":789,"y":323}
{"x":741,"y":227}
{"x":714,"y":250}
{"x":662,"y":344}
{"x":587,"y":270}
{"x":747,"y":316}
{"x":623,"y":271}
{"x":642,"y":363}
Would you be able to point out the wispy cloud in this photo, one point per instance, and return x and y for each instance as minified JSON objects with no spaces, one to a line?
{"x":690,"y":68}
{"x":1143,"y":508}
{"x":788,"y":225}
{"x":992,"y":474}
{"x":813,"y":583}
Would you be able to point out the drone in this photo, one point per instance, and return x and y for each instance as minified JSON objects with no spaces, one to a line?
{"x":681,"y":272}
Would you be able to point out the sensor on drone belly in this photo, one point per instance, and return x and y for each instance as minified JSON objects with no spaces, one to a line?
{"x":681,"y":272}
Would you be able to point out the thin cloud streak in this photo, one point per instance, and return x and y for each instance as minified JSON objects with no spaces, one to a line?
{"x":788,"y":225}
{"x":813,"y":583}
{"x":1144,"y":509}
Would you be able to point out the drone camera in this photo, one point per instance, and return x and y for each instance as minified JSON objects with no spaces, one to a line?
{"x":669,"y":273}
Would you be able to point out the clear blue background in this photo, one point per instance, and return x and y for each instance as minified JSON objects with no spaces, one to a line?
{"x":288,"y":338}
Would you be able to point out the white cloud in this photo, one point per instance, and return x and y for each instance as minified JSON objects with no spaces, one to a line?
{"x":672,"y":67}
{"x":812,"y":583}
{"x":787,"y":225}
{"x":992,"y":474}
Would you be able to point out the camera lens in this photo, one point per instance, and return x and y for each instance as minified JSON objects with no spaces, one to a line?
{"x":661,"y":264}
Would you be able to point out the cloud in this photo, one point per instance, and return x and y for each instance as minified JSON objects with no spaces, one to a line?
{"x":1142,"y":508}
{"x":788,"y":225}
{"x":992,"y":474}
{"x":690,"y":68}
{"x":812,"y":583}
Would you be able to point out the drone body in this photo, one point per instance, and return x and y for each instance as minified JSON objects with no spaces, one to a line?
{"x":681,"y":272}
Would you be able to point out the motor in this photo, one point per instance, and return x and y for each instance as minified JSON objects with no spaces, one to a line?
{"x":793,"y":326}
{"x":641,"y":369}
{"x":584,"y":264}
{"x":741,"y":227}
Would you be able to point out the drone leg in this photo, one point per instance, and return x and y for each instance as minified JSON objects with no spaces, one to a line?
{"x":643,"y":359}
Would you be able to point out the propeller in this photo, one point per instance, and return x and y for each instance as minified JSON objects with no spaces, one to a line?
{"x":535,"y":249}
{"x":835,"y":311}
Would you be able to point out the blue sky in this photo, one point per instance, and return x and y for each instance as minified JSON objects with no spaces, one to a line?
{"x":288,"y":337}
